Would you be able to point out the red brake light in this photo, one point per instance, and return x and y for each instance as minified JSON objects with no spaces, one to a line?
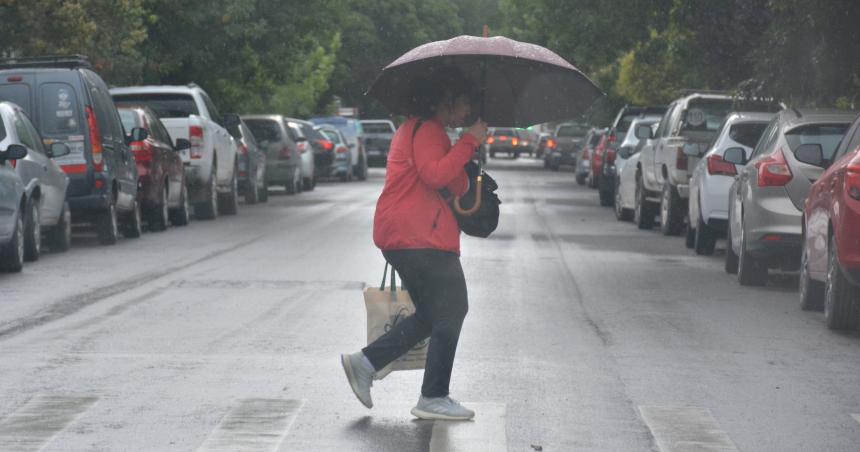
{"x":326,"y":144}
{"x":852,"y":177}
{"x":95,"y":139}
{"x":341,"y":150}
{"x":141,"y":151}
{"x":610,"y":155}
{"x":195,"y":137}
{"x":611,"y":138}
{"x":514,"y":141}
{"x":490,"y":140}
{"x":14,"y":163}
{"x":503,"y":138}
{"x":550,"y":143}
{"x":773,"y":171}
{"x":680,"y":158}
{"x":14,"y":78}
{"x":718,"y":166}
{"x":243,"y":149}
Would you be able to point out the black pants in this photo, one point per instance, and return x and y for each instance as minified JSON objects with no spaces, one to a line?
{"x":437,"y":287}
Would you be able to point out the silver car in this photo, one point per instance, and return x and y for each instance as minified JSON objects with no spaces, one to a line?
{"x":283,"y":159}
{"x":44,"y":181}
{"x":766,"y":199}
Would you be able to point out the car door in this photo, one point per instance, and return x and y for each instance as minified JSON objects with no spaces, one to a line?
{"x":225,"y":145}
{"x":52,"y":180}
{"x":171,"y":162}
{"x":748,"y":174}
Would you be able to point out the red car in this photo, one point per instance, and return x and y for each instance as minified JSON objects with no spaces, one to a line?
{"x":162,"y":192}
{"x":597,"y":159}
{"x":830,"y":262}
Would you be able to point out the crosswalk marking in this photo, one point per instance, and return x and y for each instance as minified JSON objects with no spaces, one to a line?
{"x":486,"y":432}
{"x":684,"y":429}
{"x":254,"y":425}
{"x":36,"y":422}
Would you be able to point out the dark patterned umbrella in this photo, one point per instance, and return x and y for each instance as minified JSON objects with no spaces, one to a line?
{"x":522,"y":84}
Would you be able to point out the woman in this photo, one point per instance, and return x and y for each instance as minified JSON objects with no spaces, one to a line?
{"x":418,"y":235}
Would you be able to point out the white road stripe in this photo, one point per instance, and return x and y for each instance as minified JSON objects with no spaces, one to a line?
{"x":686,"y":429}
{"x":856,"y":417}
{"x":487,"y":432}
{"x":254,"y":425}
{"x":34,"y":424}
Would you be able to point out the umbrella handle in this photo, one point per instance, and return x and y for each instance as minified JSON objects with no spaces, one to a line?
{"x":460,"y":210}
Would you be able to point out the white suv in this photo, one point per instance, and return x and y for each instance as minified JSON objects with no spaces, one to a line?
{"x":210,"y":163}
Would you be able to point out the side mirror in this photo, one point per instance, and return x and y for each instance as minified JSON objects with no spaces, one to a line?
{"x":738,"y":156}
{"x":14,"y":152}
{"x":182,"y":144}
{"x":692,"y":149}
{"x":138,"y":134}
{"x":643,"y":132}
{"x":811,"y":154}
{"x":58,"y":149}
{"x":231,"y":120}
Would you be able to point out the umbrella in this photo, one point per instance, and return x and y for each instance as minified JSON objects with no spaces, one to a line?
{"x":522,"y":84}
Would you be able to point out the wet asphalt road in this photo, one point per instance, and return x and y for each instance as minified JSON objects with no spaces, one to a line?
{"x":584,"y":334}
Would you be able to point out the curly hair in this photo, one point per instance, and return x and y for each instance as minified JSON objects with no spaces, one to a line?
{"x":444,"y":84}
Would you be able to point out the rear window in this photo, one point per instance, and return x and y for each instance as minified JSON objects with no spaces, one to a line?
{"x":595,"y":139}
{"x":506,"y":132}
{"x":827,"y":135}
{"x":748,"y":133}
{"x":376,"y":127}
{"x":58,"y":109}
{"x":129,"y":119}
{"x":164,"y":105}
{"x":572,"y":131}
{"x":705,"y":115}
{"x":331,"y":135}
{"x":2,"y":130}
{"x":264,"y":129}
{"x":18,"y":93}
{"x":624,"y":124}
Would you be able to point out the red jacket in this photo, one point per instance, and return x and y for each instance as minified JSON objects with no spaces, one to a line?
{"x":410,"y":213}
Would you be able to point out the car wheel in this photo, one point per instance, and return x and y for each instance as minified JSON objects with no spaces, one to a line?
{"x":12,"y":255}
{"x":492,"y":154}
{"x":604,"y":192}
{"x":308,"y":184}
{"x":182,"y":215}
{"x":643,"y":216}
{"x":731,"y":264}
{"x":32,"y":232}
{"x":689,"y":234}
{"x":60,"y":236}
{"x":751,"y":271}
{"x":160,"y":214}
{"x":840,"y":296}
{"x":209,"y":210}
{"x":362,"y":173}
{"x":108,"y":227}
{"x":705,"y":238}
{"x":252,"y":194}
{"x":670,"y":217}
{"x":264,"y":190}
{"x":811,"y":291}
{"x":580,"y":178}
{"x":133,"y":224}
{"x":230,"y":201}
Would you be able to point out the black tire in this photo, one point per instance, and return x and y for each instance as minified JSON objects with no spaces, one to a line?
{"x":671,"y":217}
{"x":689,"y":235}
{"x":643,"y":213}
{"x":308,"y":183}
{"x":840,"y":296}
{"x":32,"y":232}
{"x":182,"y":215}
{"x":811,"y":291}
{"x":108,"y":225}
{"x":12,"y":254}
{"x":159,"y":215}
{"x":706,"y":238}
{"x":230,"y":201}
{"x":208,"y":210}
{"x":580,"y":178}
{"x":60,"y":236}
{"x":492,"y":154}
{"x":751,"y":271}
{"x":133,"y":224}
{"x":731,"y":264}
{"x":264,"y":190}
{"x":604,"y":192}
{"x":361,"y":173}
{"x":252,"y":195}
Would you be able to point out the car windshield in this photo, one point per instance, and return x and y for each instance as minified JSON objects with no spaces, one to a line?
{"x":376,"y":127}
{"x":58,"y":109}
{"x":826,"y":135}
{"x":129,"y":118}
{"x":747,"y":133}
{"x":572,"y":130}
{"x":264,"y":129}
{"x":164,"y":105}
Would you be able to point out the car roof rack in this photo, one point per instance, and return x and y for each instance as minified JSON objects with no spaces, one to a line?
{"x":688,"y":91}
{"x":73,"y":61}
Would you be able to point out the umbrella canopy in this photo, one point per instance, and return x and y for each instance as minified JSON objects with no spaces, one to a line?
{"x":523,"y":84}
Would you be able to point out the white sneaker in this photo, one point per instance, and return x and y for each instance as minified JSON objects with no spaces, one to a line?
{"x":360,"y":376}
{"x":444,"y":408}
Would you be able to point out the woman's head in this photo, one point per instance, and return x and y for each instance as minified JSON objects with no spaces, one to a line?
{"x":444,"y":94}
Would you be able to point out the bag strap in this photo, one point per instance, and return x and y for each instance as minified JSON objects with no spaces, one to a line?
{"x":385,"y":276}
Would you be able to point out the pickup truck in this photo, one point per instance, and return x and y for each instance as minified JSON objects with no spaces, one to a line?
{"x":672,"y":151}
{"x":210,"y":164}
{"x":377,"y":139}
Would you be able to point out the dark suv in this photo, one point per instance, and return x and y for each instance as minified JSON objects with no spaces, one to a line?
{"x":70,"y":103}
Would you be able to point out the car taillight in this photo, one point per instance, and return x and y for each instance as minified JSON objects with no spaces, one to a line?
{"x":611,"y":138}
{"x":141,"y":151}
{"x":341,"y":150}
{"x":326,"y":144}
{"x":680,"y":158}
{"x":195,"y":137}
{"x":285,"y":152}
{"x":95,"y":139}
{"x":490,"y":140}
{"x":514,"y":141}
{"x":14,"y":163}
{"x":773,"y":171}
{"x":852,"y":177}
{"x":610,"y":155}
{"x":550,"y":144}
{"x":302,"y":147}
{"x":718,"y":166}
{"x":243,"y":149}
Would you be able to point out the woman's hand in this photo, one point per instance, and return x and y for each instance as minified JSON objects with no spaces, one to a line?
{"x":479,"y":131}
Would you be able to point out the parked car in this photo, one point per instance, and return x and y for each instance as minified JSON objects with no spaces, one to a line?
{"x":351,"y":131}
{"x":252,"y":161}
{"x":616,"y":164}
{"x":162,"y":192}
{"x":625,"y":192}
{"x":13,"y":205}
{"x":569,"y":140}
{"x":546,"y":144}
{"x":283,"y":160}
{"x":583,"y":166}
{"x":529,"y":141}
{"x":339,"y":147}
{"x":708,"y":211}
{"x":68,"y":102}
{"x":830,"y":255}
{"x":767,"y":196}
{"x":323,"y":155}
{"x":504,"y":140}
{"x":212,"y":161}
{"x":45,"y":183}
{"x":306,"y":151}
{"x":596,"y":169}
{"x":377,"y":134}
{"x":688,"y":126}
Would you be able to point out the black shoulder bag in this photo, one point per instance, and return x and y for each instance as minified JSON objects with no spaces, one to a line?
{"x":481,"y":217}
